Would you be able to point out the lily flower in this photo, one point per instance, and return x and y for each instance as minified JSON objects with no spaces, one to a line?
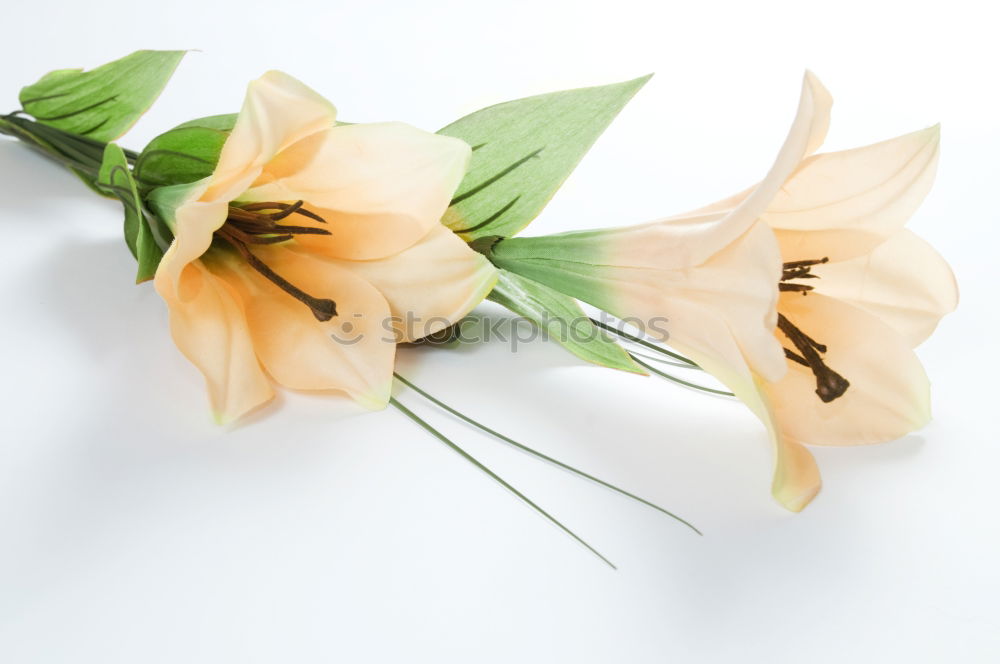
{"x":858,"y":293}
{"x":835,"y":367}
{"x":312,"y":249}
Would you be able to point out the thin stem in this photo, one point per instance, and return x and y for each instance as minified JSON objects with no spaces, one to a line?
{"x":663,"y":360}
{"x":55,"y":144}
{"x":80,"y":153}
{"x":675,"y":379}
{"x":468,"y":457}
{"x":642,"y":342}
{"x":525,"y":448}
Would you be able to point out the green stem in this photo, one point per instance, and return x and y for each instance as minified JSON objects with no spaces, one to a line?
{"x":536,"y":453}
{"x":471,"y":459}
{"x":79,"y":153}
{"x":663,"y":374}
{"x":643,"y":342}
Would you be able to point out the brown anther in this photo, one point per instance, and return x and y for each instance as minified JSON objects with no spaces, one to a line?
{"x":798,"y":288}
{"x":791,"y":265}
{"x":250,"y":221}
{"x":286,"y":210}
{"x":301,"y":230}
{"x":800,"y":270}
{"x":829,"y":384}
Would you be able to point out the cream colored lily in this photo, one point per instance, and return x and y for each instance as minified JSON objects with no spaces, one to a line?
{"x":312,"y":249}
{"x":823,"y":361}
{"x":858,"y":292}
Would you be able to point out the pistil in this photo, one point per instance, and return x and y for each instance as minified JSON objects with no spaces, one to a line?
{"x":248,"y":225}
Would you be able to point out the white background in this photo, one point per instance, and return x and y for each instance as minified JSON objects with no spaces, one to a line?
{"x":132,"y":529}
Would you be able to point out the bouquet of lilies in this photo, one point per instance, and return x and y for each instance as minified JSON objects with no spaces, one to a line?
{"x":294,"y":249}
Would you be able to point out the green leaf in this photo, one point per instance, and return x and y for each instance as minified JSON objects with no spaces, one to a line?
{"x":116,"y":179}
{"x":562,"y":319}
{"x":187,"y":153}
{"x":102,"y":103}
{"x":523,"y":151}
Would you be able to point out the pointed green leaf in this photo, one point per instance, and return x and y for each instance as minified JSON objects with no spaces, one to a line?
{"x":116,"y":179}
{"x":187,"y":153}
{"x":523,"y":151}
{"x":102,"y":103}
{"x":562,"y":319}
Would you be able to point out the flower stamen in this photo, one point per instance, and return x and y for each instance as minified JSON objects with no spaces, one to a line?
{"x":799,"y":270}
{"x":247,"y":225}
{"x":829,"y":384}
{"x":286,"y":210}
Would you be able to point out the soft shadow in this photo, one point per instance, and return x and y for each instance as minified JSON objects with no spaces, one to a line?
{"x":39,"y":184}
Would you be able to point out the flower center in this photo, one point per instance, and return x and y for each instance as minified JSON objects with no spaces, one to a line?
{"x":249,"y":225}
{"x":829,"y":384}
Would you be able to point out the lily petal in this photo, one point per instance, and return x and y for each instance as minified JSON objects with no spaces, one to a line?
{"x":193,"y":223}
{"x":842,"y":204}
{"x":431,"y":285}
{"x":904,"y":282}
{"x":889,"y":394}
{"x":278,"y":111}
{"x":713,"y":226}
{"x":796,"y":475}
{"x":381,"y":187}
{"x":352,"y":352}
{"x":208,"y":325}
{"x":734,"y":289}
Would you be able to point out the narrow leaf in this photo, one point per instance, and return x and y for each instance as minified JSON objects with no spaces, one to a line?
{"x":647,"y":344}
{"x":562,"y":319}
{"x":523,"y":151}
{"x":116,"y":179}
{"x":102,"y":103}
{"x":536,"y":453}
{"x":681,"y":381}
{"x":475,"y":462}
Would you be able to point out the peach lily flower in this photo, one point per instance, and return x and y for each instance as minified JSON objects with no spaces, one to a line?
{"x":312,"y":249}
{"x":729,"y":280}
{"x":858,"y":293}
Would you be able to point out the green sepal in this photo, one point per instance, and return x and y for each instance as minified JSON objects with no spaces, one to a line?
{"x":577,"y":264}
{"x":563,"y":319}
{"x":164,"y":201}
{"x":116,"y":179}
{"x":102,"y":103}
{"x":523,"y":151}
{"x":185,"y":154}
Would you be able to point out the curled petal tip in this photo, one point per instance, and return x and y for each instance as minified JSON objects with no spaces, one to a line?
{"x":934,"y":133}
{"x":797,"y":502}
{"x":374,"y":399}
{"x":796,"y":477}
